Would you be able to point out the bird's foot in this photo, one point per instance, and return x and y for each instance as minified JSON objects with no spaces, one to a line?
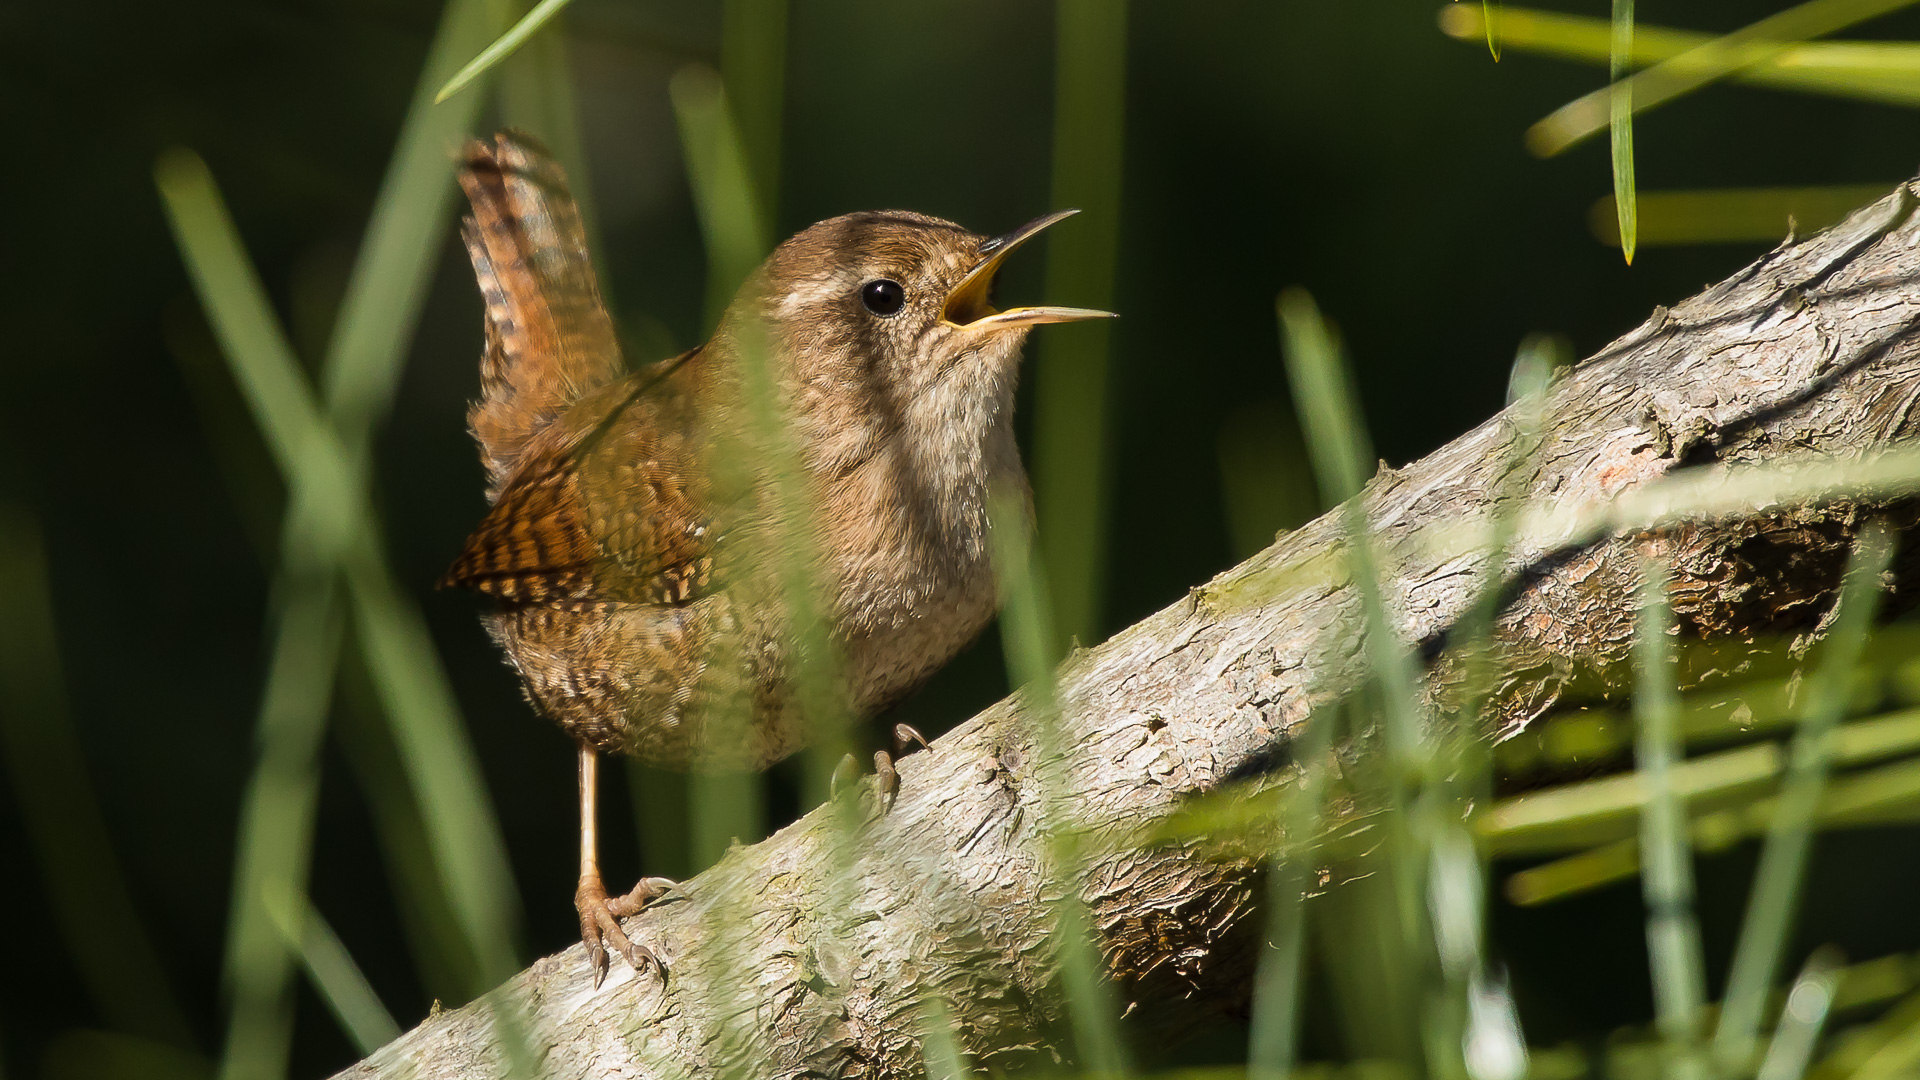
{"x":886,"y":777}
{"x":600,"y":929}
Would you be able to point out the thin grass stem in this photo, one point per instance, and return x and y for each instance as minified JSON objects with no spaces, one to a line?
{"x":1809,"y":1001}
{"x":1273,"y":1038}
{"x":360,"y":374}
{"x":1710,"y":62}
{"x":1882,"y":71}
{"x":753,"y":66}
{"x":403,"y":242}
{"x":1027,"y":636}
{"x":1071,"y":367}
{"x":1673,"y":930}
{"x":732,"y":220}
{"x":1342,"y":455}
{"x":339,"y":981}
{"x":328,"y":494}
{"x":1775,"y":897}
{"x":1620,"y":105}
{"x":501,"y":48}
{"x":381,"y":305}
{"x":441,"y":956}
{"x":1732,"y":215}
{"x":938,"y":1047}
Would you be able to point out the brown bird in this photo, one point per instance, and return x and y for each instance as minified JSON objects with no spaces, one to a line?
{"x":637,"y":547}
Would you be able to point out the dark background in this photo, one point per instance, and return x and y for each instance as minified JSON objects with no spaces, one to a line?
{"x":1347,"y":147}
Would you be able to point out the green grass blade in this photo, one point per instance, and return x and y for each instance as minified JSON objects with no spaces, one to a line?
{"x":735,"y":228}
{"x":1809,"y":1001}
{"x":254,"y":486}
{"x":1776,"y":889}
{"x":1621,"y":123}
{"x":1581,"y":38}
{"x":659,"y":800}
{"x":1324,"y":399}
{"x":1536,"y":363}
{"x":1881,"y":71}
{"x":1027,"y":636}
{"x":1715,"y":60}
{"x":1070,"y":371}
{"x":1490,"y":15}
{"x":730,"y":133}
{"x":335,"y":976}
{"x":276,"y":830}
{"x":417,"y":179}
{"x":502,"y":47}
{"x":1272,"y":1047}
{"x":1574,"y":874}
{"x":441,"y":958}
{"x":404,"y":239}
{"x":237,"y":307}
{"x":1888,"y":794}
{"x":277,"y":823}
{"x":440,"y":760}
{"x":441,"y":763}
{"x":938,"y":1048}
{"x":795,"y":566}
{"x":1342,"y":454}
{"x":94,"y":909}
{"x":1540,"y":359}
{"x":1495,"y":1047}
{"x":1673,"y":930}
{"x":1605,"y":809}
{"x":1895,"y":1046}
{"x":1420,"y":816}
{"x":732,"y":220}
{"x":753,"y":65}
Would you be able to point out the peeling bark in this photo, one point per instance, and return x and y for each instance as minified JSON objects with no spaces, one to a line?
{"x":783,"y":965}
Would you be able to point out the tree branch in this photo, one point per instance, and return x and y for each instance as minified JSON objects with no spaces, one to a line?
{"x":783,"y":963}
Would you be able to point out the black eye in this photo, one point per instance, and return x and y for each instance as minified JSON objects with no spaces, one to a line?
{"x":883,"y":297}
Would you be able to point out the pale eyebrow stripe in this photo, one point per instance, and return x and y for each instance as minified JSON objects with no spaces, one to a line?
{"x":810,"y":293}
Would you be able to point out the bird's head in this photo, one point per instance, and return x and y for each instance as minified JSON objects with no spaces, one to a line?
{"x":885,"y":322}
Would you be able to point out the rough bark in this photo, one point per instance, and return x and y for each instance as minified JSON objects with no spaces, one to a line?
{"x":781,"y":965}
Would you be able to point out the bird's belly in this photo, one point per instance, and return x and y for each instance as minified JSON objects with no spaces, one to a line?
{"x":679,"y":686}
{"x":890,"y":656}
{"x":707,"y":684}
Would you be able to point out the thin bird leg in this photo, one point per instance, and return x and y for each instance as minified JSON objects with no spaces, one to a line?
{"x":599,"y":925}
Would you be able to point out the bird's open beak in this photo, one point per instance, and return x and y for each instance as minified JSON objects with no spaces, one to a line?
{"x":967,"y":304}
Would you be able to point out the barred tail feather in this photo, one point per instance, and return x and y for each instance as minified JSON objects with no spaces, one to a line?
{"x":549,"y":338}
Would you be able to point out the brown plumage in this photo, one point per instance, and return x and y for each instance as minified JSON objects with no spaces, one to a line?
{"x":634,"y":548}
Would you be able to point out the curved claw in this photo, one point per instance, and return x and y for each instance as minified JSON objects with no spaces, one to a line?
{"x":905,"y":735}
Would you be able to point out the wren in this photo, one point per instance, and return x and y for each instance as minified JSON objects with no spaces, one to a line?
{"x":635,"y":567}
